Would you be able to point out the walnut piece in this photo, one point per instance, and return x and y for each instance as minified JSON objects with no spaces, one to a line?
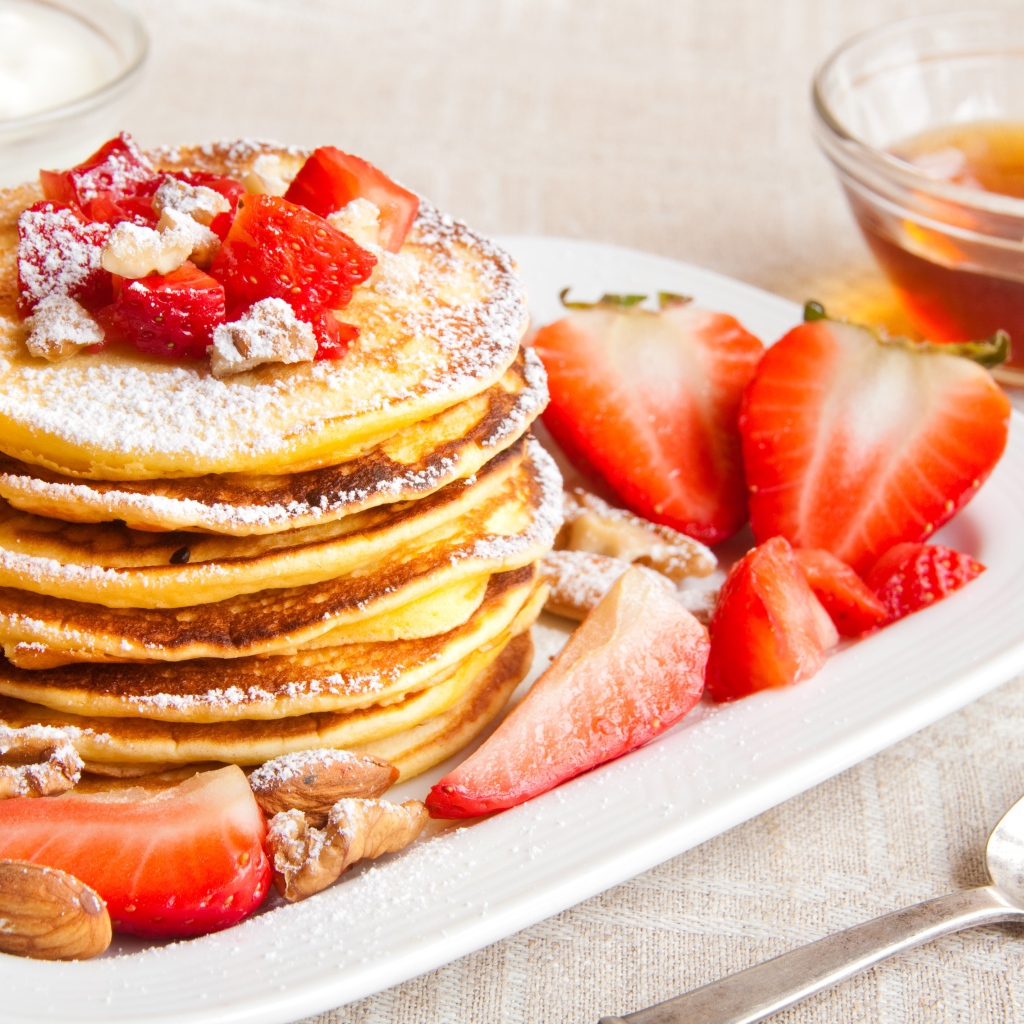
{"x":307,"y":859}
{"x":577,"y":580}
{"x":203,"y":241}
{"x":134,"y":251}
{"x":266,"y":176}
{"x":593,"y":525}
{"x":59,"y":327}
{"x":269,"y":332}
{"x":313,"y":781}
{"x":37,"y":761}
{"x":200,"y":203}
{"x":360,"y":220}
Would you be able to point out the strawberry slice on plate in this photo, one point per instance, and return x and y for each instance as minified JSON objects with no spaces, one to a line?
{"x":633,"y":667}
{"x":277,"y":250}
{"x":649,"y":402}
{"x":854,"y":444}
{"x":116,"y":183}
{"x":909,"y":577}
{"x":849,"y":601}
{"x":171,"y":315}
{"x":768,"y":629}
{"x":170,"y":863}
{"x":330,"y":179}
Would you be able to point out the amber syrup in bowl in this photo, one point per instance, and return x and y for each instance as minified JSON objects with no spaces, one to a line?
{"x":924,"y":123}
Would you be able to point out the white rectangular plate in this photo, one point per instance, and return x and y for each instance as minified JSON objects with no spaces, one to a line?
{"x":458,"y":892}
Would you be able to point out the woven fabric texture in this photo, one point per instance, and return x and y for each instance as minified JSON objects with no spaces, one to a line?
{"x":682,"y":128}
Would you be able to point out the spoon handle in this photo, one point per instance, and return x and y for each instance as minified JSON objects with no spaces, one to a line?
{"x":760,"y":991}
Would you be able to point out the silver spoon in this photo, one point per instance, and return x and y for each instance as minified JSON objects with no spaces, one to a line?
{"x":760,"y":991}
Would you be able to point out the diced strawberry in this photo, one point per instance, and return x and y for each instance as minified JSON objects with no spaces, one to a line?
{"x":633,"y":667}
{"x":909,"y":577}
{"x":650,"y":401}
{"x":849,"y":601}
{"x":170,"y":863}
{"x":173,"y":315}
{"x":59,"y":253}
{"x":333,"y":336}
{"x":276,"y":249}
{"x":330,"y":179}
{"x":768,"y":629}
{"x":116,"y":183}
{"x":230,"y":188}
{"x":853,"y":444}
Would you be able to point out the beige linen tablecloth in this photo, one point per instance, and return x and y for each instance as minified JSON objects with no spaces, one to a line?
{"x":683,"y":128}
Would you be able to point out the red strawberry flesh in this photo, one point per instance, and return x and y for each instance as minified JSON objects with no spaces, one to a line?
{"x":276,"y":249}
{"x":853,"y":445}
{"x":649,"y":401}
{"x":768,"y":629}
{"x":849,"y":601}
{"x":59,"y":254}
{"x":116,"y":183}
{"x":632,"y":668}
{"x":909,"y":577}
{"x":330,"y":179}
{"x":172,"y":315}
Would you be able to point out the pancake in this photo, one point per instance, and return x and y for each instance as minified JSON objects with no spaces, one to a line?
{"x":420,"y":747}
{"x":119,"y":415}
{"x":438,"y":612}
{"x":516,"y":527}
{"x":412,"y":463}
{"x":325,"y":679}
{"x":114,"y":566}
{"x":133,"y":741}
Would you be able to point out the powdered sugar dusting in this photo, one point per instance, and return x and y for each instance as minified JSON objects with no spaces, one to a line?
{"x":288,"y":767}
{"x":180,"y":414}
{"x":57,"y":252}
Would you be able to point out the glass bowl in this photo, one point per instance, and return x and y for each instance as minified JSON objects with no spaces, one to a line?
{"x":954,"y":253}
{"x":67,"y":69}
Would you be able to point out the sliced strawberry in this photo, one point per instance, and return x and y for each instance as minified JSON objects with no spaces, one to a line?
{"x":116,"y":183}
{"x":276,"y":249}
{"x":333,"y":336}
{"x":172,"y":315}
{"x":230,"y":188}
{"x":170,"y":863}
{"x":330,"y":179}
{"x":632,"y":668}
{"x":849,"y":601}
{"x":59,"y":253}
{"x":768,"y":629}
{"x":909,"y":577}
{"x":853,"y":444}
{"x":650,"y":401}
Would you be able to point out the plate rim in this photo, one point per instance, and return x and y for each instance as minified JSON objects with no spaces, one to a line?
{"x":332,"y":986}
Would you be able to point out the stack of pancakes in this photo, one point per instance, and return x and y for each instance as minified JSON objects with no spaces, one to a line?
{"x":340,"y":553}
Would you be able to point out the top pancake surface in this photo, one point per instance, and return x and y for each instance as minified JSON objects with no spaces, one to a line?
{"x":119,"y":415}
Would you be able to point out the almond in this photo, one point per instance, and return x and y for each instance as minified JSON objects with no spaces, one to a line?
{"x":48,"y":914}
{"x":313,"y":781}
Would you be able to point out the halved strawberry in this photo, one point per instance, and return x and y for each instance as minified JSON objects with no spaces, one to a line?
{"x":909,"y":577}
{"x":768,"y":629}
{"x":854,"y":444}
{"x":650,"y":402}
{"x":116,"y":183}
{"x":170,"y":863}
{"x":59,"y":253}
{"x":171,"y":315}
{"x":632,"y":668}
{"x":330,"y":179}
{"x":276,"y":249}
{"x":849,"y":601}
